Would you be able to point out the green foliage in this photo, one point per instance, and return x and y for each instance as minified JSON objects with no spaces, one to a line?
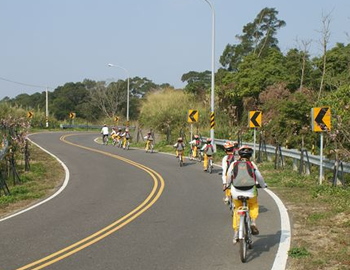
{"x":168,"y":109}
{"x":197,"y":82}
{"x":298,"y":252}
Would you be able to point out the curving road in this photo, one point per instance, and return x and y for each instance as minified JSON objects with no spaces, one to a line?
{"x":131,"y":210}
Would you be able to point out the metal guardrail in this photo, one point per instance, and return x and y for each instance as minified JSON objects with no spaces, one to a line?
{"x":295,"y":154}
{"x":64,"y":126}
{"x":3,"y":151}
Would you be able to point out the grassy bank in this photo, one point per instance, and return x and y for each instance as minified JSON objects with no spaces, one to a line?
{"x":43,"y":179}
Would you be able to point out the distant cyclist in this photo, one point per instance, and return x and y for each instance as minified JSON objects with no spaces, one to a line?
{"x":208,"y":150}
{"x":226,"y":162}
{"x":126,"y":136}
{"x":180,"y":147}
{"x":149,"y":141}
{"x":104,"y":132}
{"x":242,"y":177}
{"x":195,"y":145}
{"x":114,"y":135}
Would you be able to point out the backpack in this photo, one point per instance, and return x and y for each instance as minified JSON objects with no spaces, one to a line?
{"x":243,"y":175}
{"x":209,"y":150}
{"x":229,"y":160}
{"x":180,"y":146}
{"x":127,"y":135}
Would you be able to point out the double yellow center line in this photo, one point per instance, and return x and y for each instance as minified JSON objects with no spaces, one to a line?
{"x":158,"y":187}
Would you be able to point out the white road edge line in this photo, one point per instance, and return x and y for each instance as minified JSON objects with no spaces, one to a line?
{"x":284,"y":245}
{"x":281,"y":258}
{"x":65,"y":183}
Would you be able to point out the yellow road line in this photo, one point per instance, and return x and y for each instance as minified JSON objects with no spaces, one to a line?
{"x":88,"y":241}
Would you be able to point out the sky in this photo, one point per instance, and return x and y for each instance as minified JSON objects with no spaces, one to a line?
{"x":47,"y":43}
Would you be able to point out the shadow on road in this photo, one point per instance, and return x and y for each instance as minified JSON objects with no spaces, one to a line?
{"x":264,"y":243}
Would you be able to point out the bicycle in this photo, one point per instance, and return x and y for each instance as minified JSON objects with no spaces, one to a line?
{"x":120,"y":142}
{"x":127,"y":145}
{"x":105,"y":139}
{"x":210,"y":164}
{"x":244,"y":230}
{"x":193,"y":152}
{"x":200,"y":156}
{"x":181,"y":158}
{"x":149,"y":146}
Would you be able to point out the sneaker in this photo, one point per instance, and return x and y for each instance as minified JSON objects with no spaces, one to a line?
{"x":235,"y":238}
{"x":254,"y":229}
{"x":226,"y":200}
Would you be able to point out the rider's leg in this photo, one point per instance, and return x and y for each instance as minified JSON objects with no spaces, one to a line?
{"x":254,"y":213}
{"x":205,"y":163}
{"x":227,"y":195}
{"x":235,"y":219}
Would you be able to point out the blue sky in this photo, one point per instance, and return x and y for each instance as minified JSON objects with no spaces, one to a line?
{"x":51,"y":42}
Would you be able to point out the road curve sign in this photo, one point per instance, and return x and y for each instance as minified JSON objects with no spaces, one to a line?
{"x":254,"y":119}
{"x":192,"y":116}
{"x":30,"y":115}
{"x":321,"y":119}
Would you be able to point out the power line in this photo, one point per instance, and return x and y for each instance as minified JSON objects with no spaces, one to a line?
{"x":25,"y":84}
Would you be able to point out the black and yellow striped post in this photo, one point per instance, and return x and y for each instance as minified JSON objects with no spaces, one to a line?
{"x":212,"y":120}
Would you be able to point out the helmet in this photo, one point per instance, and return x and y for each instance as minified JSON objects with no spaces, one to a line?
{"x":179,"y":139}
{"x":149,"y":133}
{"x":235,"y":143}
{"x":229,"y":146}
{"x":119,"y":129}
{"x":245,"y":151}
{"x":126,"y":130}
{"x":196,"y":136}
{"x":208,"y":140}
{"x":104,"y":125}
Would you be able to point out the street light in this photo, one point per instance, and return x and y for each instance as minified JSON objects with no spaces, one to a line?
{"x":47,"y":108}
{"x":128,"y":89}
{"x":212,"y":114}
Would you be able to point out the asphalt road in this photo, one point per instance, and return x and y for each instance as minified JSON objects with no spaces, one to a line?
{"x":118,"y":214}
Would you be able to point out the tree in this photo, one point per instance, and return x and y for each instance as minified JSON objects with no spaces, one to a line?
{"x":197,"y":82}
{"x":258,"y":37}
{"x":326,"y":20}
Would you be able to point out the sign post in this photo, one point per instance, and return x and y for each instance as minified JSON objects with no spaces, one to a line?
{"x":320,"y":122}
{"x":254,"y":121}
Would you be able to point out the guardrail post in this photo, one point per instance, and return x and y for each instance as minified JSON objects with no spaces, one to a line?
{"x":278,"y":157}
{"x":303,"y":153}
{"x":336,"y":173}
{"x":295,"y":164}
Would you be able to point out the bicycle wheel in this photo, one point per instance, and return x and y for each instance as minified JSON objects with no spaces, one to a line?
{"x":210,"y":167}
{"x":243,"y":243}
{"x":200,"y":157}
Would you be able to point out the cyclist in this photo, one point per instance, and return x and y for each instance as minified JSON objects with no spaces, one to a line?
{"x":243,"y":176}
{"x":208,"y":151}
{"x":226,"y":162}
{"x":149,"y":139}
{"x":105,"y":132}
{"x":126,"y":136}
{"x":119,"y":136}
{"x":195,"y":145}
{"x":180,"y":147}
{"x":114,"y":135}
